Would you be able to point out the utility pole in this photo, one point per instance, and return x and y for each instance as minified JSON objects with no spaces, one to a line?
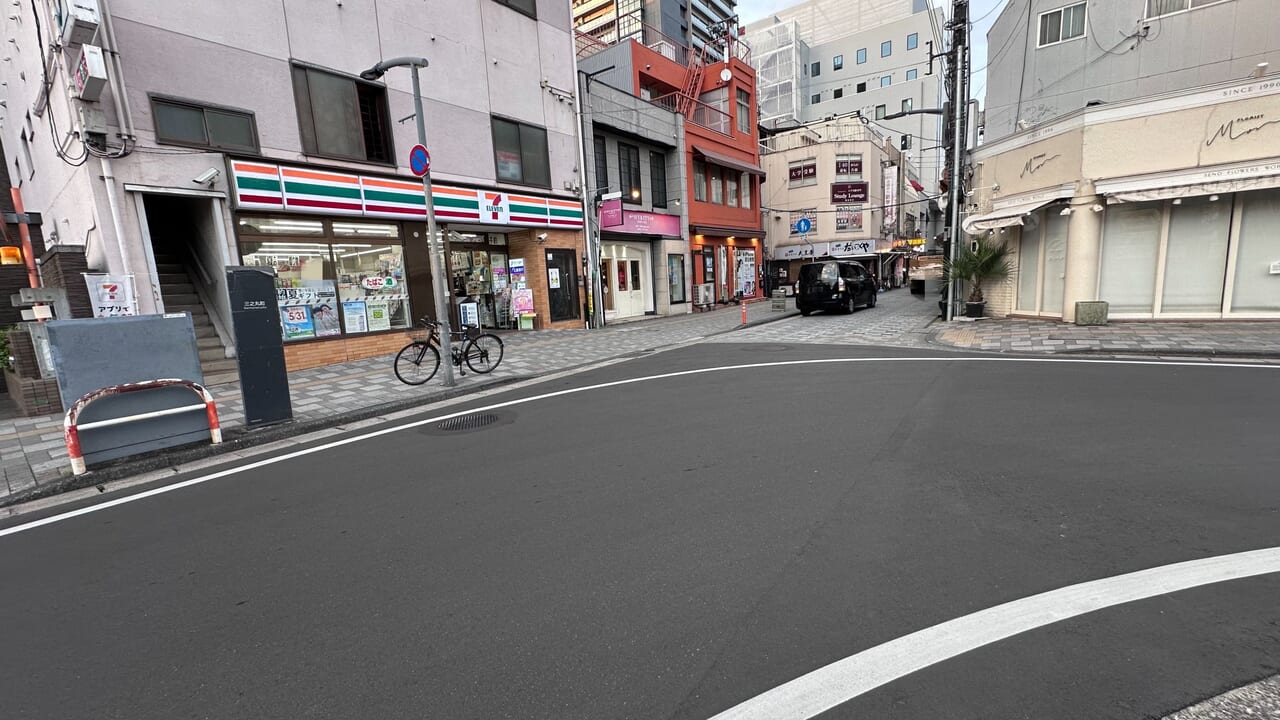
{"x":958,"y":81}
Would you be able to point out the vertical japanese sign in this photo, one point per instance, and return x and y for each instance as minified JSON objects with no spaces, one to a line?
{"x":891,"y":199}
{"x":112,"y":295}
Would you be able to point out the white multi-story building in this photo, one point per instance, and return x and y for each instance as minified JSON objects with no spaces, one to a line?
{"x":827,"y":58}
{"x":171,"y":138}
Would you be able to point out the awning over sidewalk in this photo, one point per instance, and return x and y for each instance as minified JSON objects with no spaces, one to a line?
{"x":1170,"y":188}
{"x":1004,"y":217}
{"x":726,"y":161}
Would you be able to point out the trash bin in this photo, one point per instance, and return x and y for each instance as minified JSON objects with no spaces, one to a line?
{"x":917,"y":286}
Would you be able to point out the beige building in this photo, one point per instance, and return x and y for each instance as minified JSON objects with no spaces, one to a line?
{"x":852,"y":187}
{"x":1165,"y":207}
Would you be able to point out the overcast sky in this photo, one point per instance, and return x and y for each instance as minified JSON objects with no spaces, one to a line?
{"x":983,"y":11}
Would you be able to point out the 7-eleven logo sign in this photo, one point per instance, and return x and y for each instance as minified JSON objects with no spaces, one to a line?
{"x":111,"y":291}
{"x":497,"y":208}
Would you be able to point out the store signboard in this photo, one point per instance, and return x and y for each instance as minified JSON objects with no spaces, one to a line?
{"x":470,"y":314}
{"x":112,"y":295}
{"x":611,"y":215}
{"x":800,"y":252}
{"x":849,"y":192}
{"x":521,"y":301}
{"x":515,"y":266}
{"x":853,"y":247}
{"x":647,"y":223}
{"x":266,"y":186}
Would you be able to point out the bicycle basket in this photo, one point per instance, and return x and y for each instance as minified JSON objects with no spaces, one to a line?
{"x":473,"y":332}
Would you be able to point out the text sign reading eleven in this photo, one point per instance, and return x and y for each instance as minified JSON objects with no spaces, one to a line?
{"x":263,"y":186}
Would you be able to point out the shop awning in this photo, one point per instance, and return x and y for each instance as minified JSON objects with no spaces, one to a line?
{"x":1005,"y":217}
{"x":1163,"y":190}
{"x":726,"y":161}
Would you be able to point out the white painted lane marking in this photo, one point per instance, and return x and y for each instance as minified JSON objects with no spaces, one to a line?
{"x":572,"y":391}
{"x":844,"y":680}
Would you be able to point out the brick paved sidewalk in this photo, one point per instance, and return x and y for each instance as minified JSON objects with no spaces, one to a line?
{"x":32,"y":451}
{"x":1259,"y":339}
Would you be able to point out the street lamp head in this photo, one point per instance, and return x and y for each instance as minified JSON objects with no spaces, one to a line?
{"x":377,"y":71}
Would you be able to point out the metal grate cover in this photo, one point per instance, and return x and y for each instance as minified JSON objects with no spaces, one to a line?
{"x":462,"y":423}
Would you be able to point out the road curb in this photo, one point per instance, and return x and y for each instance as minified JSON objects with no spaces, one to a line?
{"x":1204,"y":353}
{"x":241,"y":438}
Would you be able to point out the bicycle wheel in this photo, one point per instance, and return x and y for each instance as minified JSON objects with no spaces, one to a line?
{"x":484,"y":353}
{"x":417,"y":363}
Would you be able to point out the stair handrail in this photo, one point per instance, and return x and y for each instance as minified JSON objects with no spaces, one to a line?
{"x":195,"y":260}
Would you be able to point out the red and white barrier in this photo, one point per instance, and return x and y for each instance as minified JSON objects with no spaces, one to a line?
{"x":71,"y":426}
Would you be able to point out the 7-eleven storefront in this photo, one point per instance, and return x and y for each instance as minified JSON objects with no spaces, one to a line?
{"x":352,"y":261}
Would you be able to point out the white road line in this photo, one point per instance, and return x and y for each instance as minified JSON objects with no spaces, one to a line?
{"x":572,"y":391}
{"x":844,"y":680}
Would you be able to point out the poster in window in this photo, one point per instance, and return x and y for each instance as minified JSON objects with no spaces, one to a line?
{"x":379,"y":316}
{"x":745,"y":260}
{"x":297,"y":322}
{"x":508,"y":164}
{"x":353,"y":313}
{"x":553,"y":278}
{"x":320,"y":297}
{"x":848,"y":218}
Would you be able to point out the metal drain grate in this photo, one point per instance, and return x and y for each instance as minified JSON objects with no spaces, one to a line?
{"x":467,"y":422}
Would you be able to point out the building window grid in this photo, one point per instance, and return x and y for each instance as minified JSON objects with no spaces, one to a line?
{"x":862,"y":56}
{"x":906,"y":105}
{"x":880,"y":112}
{"x":1062,"y":24}
{"x":837,"y":62}
{"x":837,"y":93}
{"x":744,"y":111}
{"x":1160,"y":8}
{"x":658,"y":178}
{"x":629,"y":174}
{"x":699,"y":181}
{"x":913,"y":41}
{"x":602,"y":164}
{"x":520,"y":153}
{"x":886,"y":81}
{"x":217,"y":125}
{"x":912,"y":74}
{"x":341,"y":116}
{"x":886,"y":48}
{"x":815,"y":69}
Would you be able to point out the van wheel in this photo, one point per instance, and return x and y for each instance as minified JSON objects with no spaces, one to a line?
{"x":850,"y":306}
{"x":874,"y":295}
{"x":806,"y":312}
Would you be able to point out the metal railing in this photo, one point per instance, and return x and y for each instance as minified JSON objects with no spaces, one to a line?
{"x":700,"y":113}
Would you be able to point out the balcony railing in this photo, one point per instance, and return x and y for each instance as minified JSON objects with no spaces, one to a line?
{"x":597,"y":37}
{"x":700,"y":113}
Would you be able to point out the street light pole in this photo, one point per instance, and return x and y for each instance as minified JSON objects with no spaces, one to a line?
{"x":434,"y":240}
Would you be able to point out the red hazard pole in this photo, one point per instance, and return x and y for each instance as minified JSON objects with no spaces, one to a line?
{"x":744,"y":309}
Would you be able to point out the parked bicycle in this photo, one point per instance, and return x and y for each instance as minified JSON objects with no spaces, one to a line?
{"x":417,"y":362}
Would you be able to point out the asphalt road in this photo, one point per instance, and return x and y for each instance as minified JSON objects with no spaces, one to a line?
{"x":673,"y":547}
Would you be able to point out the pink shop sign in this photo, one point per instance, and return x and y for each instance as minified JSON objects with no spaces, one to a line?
{"x":647,"y":223}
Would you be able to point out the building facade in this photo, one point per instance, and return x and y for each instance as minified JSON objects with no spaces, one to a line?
{"x":635,"y":165}
{"x":197,"y":140}
{"x":696,"y":24}
{"x":717,"y":100}
{"x":855,"y":192}
{"x":1165,"y":207}
{"x":1047,"y":58}
{"x":826,"y":59}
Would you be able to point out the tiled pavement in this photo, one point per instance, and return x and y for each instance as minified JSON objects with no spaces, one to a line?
{"x":1231,"y":339}
{"x":32,"y":450}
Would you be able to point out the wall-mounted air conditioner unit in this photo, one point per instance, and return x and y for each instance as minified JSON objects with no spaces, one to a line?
{"x":80,"y":26}
{"x":704,"y":294}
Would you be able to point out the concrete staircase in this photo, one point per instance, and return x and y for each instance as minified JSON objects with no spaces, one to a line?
{"x":179,"y":293}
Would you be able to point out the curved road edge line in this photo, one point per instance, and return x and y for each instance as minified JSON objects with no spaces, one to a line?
{"x":571,"y":391}
{"x":841,"y":681}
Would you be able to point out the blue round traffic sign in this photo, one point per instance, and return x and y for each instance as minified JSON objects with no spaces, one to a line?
{"x":803,"y":225}
{"x":419,"y":160}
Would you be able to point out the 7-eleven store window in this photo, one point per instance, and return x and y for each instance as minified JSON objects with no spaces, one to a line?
{"x":333,"y":277}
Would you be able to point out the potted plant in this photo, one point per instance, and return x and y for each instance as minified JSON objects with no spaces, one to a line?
{"x":983,"y":260}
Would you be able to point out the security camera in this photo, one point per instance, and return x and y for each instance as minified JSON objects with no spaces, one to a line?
{"x":542,"y":237}
{"x":207,"y":177}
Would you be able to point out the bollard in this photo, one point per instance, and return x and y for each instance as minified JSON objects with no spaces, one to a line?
{"x":744,"y":310}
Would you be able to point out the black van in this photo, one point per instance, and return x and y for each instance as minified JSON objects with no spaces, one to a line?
{"x":834,"y":285}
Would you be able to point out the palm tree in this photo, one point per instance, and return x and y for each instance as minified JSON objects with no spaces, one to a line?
{"x":984,"y":260}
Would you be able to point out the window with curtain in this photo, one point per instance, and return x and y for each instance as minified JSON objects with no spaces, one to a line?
{"x":717,"y":185}
{"x":744,"y":112}
{"x":731,"y":188}
{"x":699,"y":181}
{"x":1255,"y":288}
{"x":1062,"y":24}
{"x":1156,"y":8}
{"x":746,"y":190}
{"x":1055,"y":262}
{"x":1196,"y":255}
{"x":1130,"y":246}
